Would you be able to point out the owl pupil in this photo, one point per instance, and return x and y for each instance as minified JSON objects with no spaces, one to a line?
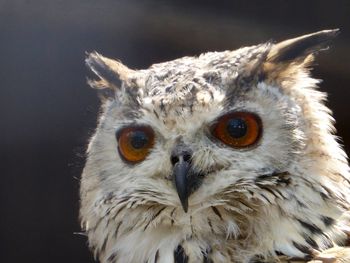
{"x":138,"y":139}
{"x":237,"y":128}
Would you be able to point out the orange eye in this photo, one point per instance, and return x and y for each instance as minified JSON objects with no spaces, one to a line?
{"x":135,"y":143}
{"x":238,"y":129}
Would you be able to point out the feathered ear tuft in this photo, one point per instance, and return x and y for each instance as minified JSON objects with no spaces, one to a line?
{"x":111,"y":72}
{"x":285,"y":59}
{"x":301,"y":47}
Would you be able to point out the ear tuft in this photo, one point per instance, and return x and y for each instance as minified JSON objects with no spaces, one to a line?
{"x":110,"y":72}
{"x":301,"y":47}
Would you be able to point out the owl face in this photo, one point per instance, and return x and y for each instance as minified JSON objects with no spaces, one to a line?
{"x":215,"y":136}
{"x":226,"y":133}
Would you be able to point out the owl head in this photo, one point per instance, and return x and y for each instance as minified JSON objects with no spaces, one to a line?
{"x":193,"y":156}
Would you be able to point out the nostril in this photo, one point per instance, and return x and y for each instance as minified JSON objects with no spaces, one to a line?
{"x":187,"y":157}
{"x":174,"y":160}
{"x":181,"y":153}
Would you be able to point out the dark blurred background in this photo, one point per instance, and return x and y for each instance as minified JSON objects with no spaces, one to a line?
{"x":47,"y":112}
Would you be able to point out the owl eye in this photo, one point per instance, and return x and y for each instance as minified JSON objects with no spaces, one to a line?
{"x":238,"y":129}
{"x":135,"y":143}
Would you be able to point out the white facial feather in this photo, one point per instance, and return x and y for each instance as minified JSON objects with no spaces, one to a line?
{"x":288,"y":193}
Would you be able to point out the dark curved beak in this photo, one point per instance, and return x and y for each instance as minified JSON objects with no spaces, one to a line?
{"x":186,"y":178}
{"x":181,"y":176}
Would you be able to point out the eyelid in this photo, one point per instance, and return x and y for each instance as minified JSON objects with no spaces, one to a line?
{"x":130,"y":125}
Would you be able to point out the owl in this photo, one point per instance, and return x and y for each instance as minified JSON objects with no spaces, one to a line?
{"x":226,"y":157}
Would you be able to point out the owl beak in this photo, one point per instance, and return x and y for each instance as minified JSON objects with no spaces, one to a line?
{"x":180,"y":172}
{"x":186,"y":178}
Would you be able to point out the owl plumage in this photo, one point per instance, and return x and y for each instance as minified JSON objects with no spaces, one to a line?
{"x":225,"y":157}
